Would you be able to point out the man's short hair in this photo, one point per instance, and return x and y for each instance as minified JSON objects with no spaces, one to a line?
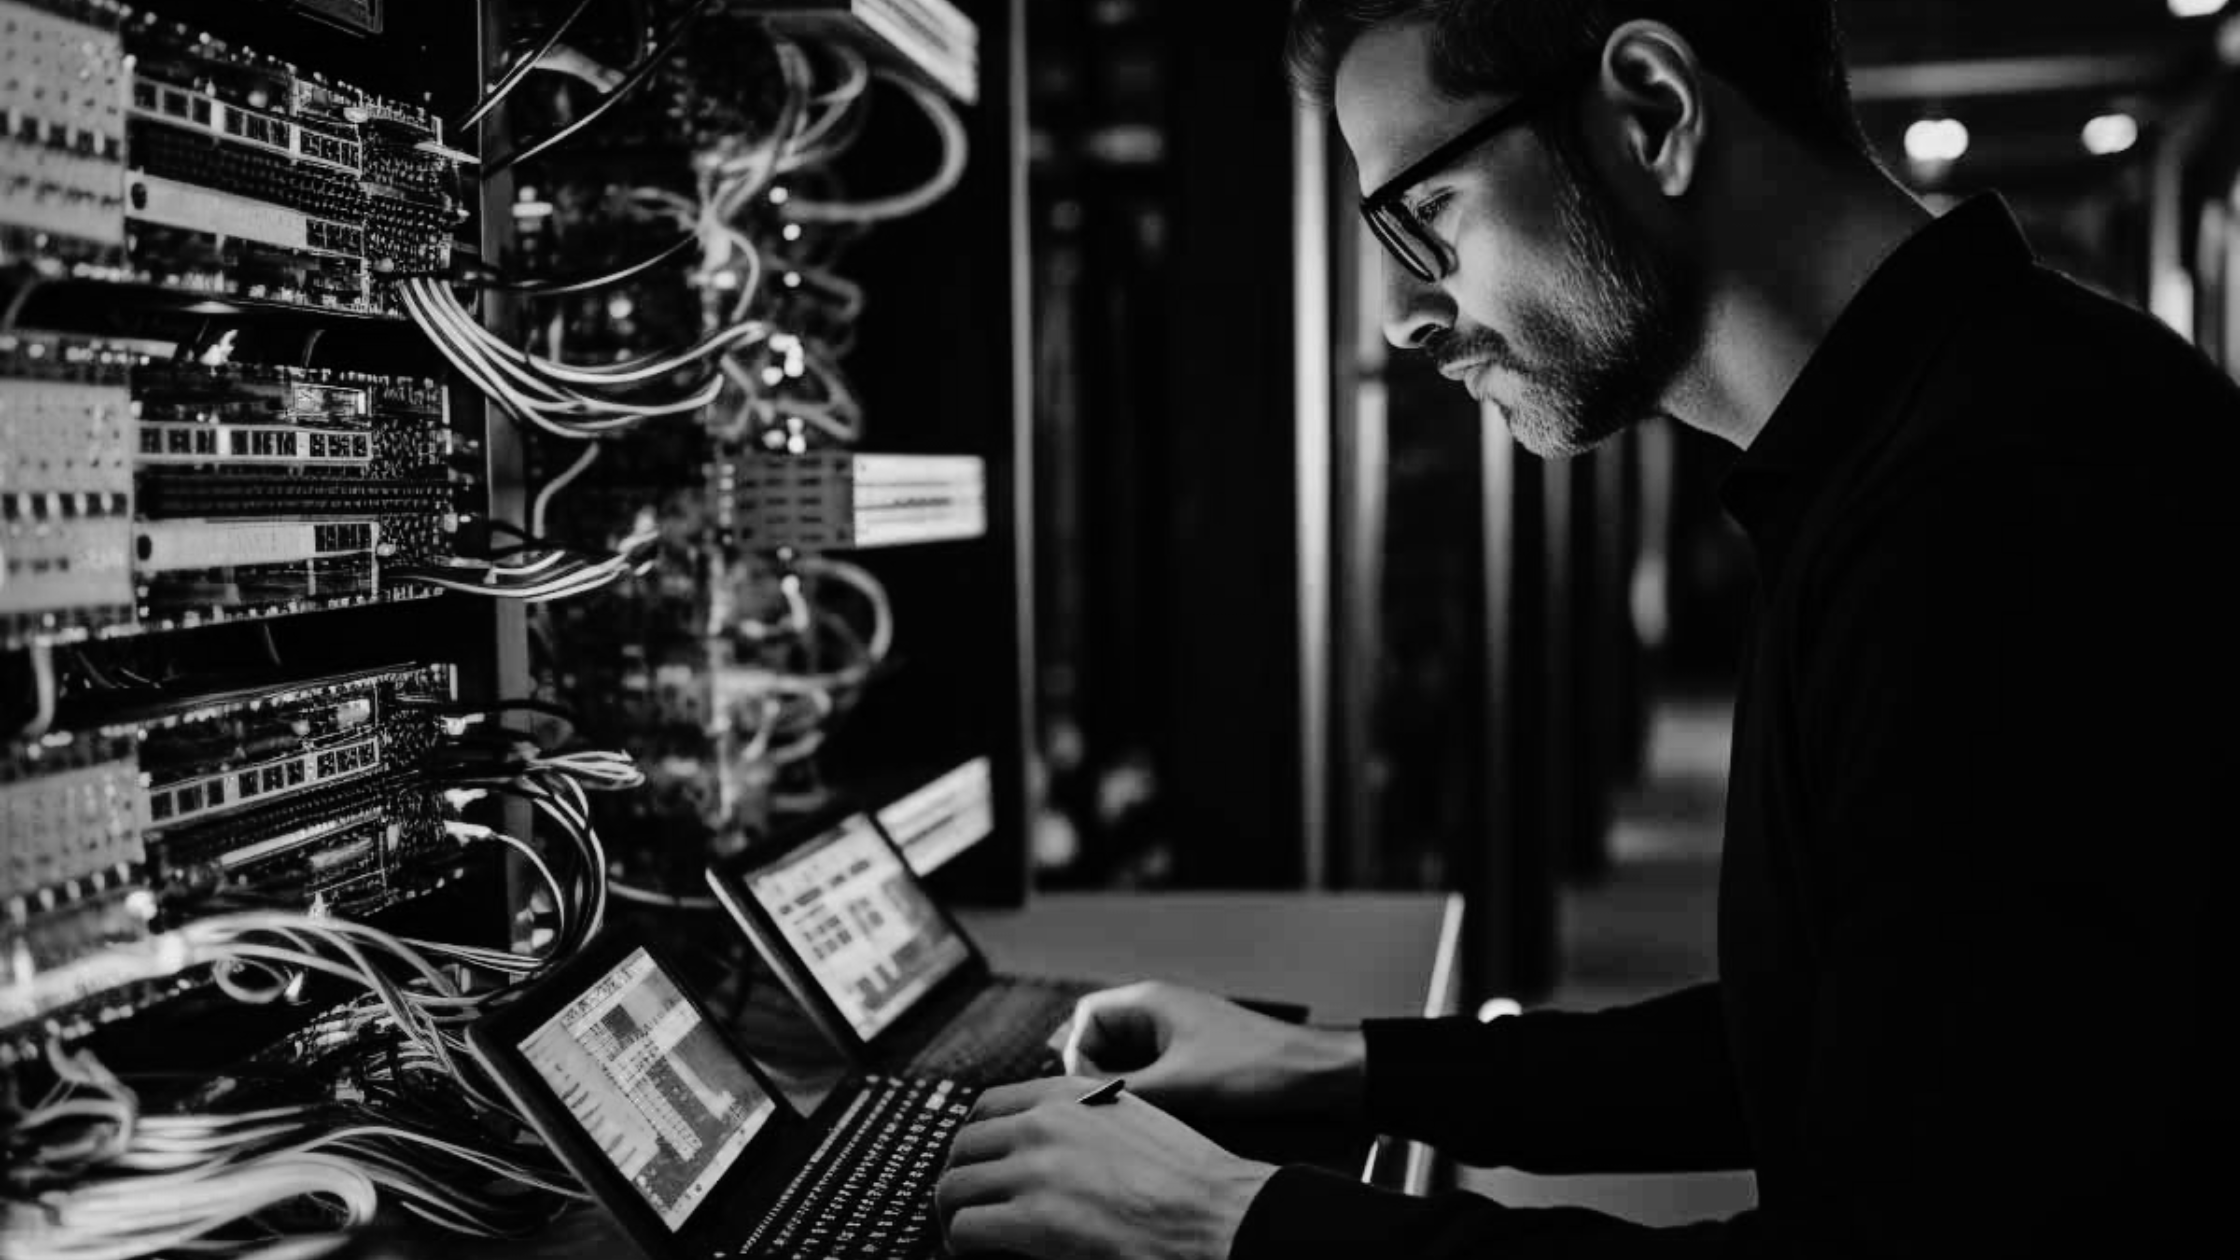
{"x":1784,"y":56}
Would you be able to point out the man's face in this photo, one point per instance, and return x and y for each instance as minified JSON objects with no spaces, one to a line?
{"x":1556,"y":311}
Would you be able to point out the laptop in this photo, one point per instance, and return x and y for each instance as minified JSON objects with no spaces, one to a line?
{"x":883,"y":970}
{"x":686,"y":1141}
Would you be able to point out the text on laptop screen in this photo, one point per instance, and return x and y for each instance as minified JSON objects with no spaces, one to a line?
{"x":854,"y":914}
{"x":945,"y":817}
{"x":653,"y":1085}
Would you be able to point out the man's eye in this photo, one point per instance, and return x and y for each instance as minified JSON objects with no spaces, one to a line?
{"x":1427,"y":210}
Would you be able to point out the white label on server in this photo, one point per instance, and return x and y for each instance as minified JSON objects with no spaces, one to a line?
{"x":172,"y":546}
{"x":173,"y":204}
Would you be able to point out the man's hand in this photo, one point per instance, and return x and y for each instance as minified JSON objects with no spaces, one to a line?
{"x":1206,"y":1058}
{"x":1037,"y":1173}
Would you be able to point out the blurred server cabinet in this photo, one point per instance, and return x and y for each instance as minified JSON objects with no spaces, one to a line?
{"x":1181,"y":558}
{"x":1487,"y":679}
{"x":1303,"y":625}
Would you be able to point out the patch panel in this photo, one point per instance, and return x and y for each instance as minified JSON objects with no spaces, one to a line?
{"x":141,"y":494}
{"x":839,"y":501}
{"x":217,"y":792}
{"x":307,"y":793}
{"x":170,"y":494}
{"x":250,"y":180}
{"x":72,"y":822}
{"x":216,"y":441}
{"x":244,"y":470}
{"x":62,"y":103}
{"x":353,"y":852}
{"x":301,"y":214}
{"x":189,"y":237}
{"x":196,"y":545}
{"x":190,"y":110}
{"x":65,"y":488}
{"x":191,"y":572}
{"x":242,"y":394}
{"x":251,"y":445}
{"x":321,"y":755}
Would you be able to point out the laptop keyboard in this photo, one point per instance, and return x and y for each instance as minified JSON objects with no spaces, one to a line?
{"x":868,"y":1190}
{"x":1002,"y":1035}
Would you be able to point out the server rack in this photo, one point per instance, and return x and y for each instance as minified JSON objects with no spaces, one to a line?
{"x":242,"y":680}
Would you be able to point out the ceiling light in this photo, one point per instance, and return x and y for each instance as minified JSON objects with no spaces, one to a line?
{"x":1937,"y":140}
{"x":2196,"y":8}
{"x":2110,"y":134}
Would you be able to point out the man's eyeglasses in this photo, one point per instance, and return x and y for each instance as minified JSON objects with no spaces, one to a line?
{"x":1408,"y":238}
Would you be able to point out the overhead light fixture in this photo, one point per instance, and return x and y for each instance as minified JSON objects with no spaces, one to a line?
{"x":1937,"y":140}
{"x":2110,"y":134}
{"x":2196,"y":8}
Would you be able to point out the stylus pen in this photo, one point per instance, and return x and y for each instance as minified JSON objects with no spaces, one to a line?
{"x":1106,"y":1093}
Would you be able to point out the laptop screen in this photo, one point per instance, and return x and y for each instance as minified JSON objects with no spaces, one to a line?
{"x":945,"y":817}
{"x":857,"y":918}
{"x":653,"y":1085}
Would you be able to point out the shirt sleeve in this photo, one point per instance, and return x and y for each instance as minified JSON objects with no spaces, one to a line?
{"x":1642,"y":1088}
{"x":1304,"y":1211}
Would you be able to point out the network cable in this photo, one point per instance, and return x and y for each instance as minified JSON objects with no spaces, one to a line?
{"x":521,"y":69}
{"x":631,"y":80}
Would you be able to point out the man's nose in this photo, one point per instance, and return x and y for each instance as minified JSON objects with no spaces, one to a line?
{"x":1415,"y":310}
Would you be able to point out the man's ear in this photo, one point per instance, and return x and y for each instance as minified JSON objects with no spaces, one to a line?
{"x":1656,"y":89}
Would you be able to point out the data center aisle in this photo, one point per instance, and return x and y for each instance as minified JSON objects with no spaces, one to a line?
{"x":1650,"y":928}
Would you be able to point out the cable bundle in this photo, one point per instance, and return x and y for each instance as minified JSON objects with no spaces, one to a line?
{"x":815,"y":663}
{"x":804,"y":669}
{"x":96,"y":1178}
{"x":812,"y":129}
{"x":116,"y":1218}
{"x":736,"y":181}
{"x":262,"y":956}
{"x":400,"y":1109}
{"x":563,"y":399}
{"x":538,"y":572}
{"x":751,"y":235}
{"x":556,"y":788}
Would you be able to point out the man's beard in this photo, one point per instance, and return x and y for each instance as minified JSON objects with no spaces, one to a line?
{"x":1596,"y":357}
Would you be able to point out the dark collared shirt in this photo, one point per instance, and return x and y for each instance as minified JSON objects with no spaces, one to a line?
{"x":1986,"y":718}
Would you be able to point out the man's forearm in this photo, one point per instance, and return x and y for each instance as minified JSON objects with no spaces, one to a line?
{"x":1331,"y":1074}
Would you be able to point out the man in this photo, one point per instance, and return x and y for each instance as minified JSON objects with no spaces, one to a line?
{"x":1963,"y":913}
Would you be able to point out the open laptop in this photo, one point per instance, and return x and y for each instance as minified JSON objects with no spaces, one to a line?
{"x":686,"y":1141}
{"x":884,"y":971}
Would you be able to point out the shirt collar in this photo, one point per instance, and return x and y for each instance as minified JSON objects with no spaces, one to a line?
{"x":1853,"y":384}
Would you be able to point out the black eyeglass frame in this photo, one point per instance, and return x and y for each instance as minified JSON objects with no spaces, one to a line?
{"x":1398,"y":229}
